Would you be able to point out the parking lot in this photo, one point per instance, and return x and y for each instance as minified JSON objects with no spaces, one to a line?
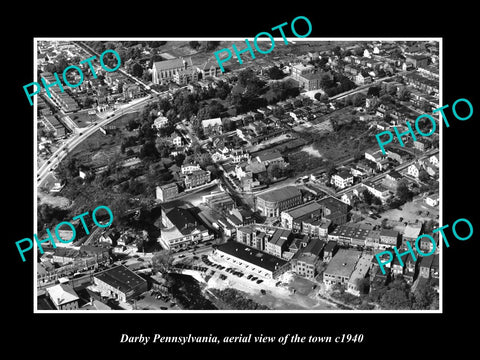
{"x":230,"y":270}
{"x":154,"y":300}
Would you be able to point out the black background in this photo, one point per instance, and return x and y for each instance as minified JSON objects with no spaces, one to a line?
{"x":406,"y":334}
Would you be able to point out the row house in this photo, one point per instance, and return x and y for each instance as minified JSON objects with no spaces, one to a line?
{"x":422,"y":83}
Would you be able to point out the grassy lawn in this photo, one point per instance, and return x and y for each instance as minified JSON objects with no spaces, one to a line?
{"x":106,"y":143}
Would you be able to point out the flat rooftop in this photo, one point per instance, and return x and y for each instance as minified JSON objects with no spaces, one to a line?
{"x":253,"y":256}
{"x":343,"y":263}
{"x":120,"y":278}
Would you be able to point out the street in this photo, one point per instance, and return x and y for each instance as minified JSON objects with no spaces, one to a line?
{"x":77,"y":139}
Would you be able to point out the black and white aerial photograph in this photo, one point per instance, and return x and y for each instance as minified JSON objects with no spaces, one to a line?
{"x":214,"y":175}
{"x":211,"y":179}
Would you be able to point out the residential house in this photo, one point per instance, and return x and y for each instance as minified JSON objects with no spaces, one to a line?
{"x":63,"y":297}
{"x":110,"y":237}
{"x":212,"y":126}
{"x":434,"y":160}
{"x":414,"y":170}
{"x":432,"y":200}
{"x":425,"y":265}
{"x":342,"y":179}
{"x":379,"y":190}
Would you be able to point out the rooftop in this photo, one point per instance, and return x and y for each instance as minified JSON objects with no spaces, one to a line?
{"x":388,"y":232}
{"x":279,"y":237}
{"x":273,"y":155}
{"x":252,"y":255}
{"x":120,"y":278}
{"x":183,"y":220}
{"x":362,"y":267}
{"x":330,"y":246}
{"x":211,"y":122}
{"x":314,"y":247}
{"x":172,"y":64}
{"x":281,"y":194}
{"x":351,"y":231}
{"x":343,"y":263}
{"x":62,"y":294}
{"x":412,"y":231}
{"x":303,"y":210}
{"x":333,"y":204}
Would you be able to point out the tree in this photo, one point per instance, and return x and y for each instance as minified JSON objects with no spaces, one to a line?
{"x":337,"y":50}
{"x":397,"y":297}
{"x":194,"y":44}
{"x":137,"y":70}
{"x":275,"y":73}
{"x":330,"y":168}
{"x":275,"y":171}
{"x":88,"y":102}
{"x":403,"y":93}
{"x":363,"y":285}
{"x":403,"y":193}
{"x":162,"y":261}
{"x":376,"y":201}
{"x":423,"y":175}
{"x":211,"y":45}
{"x":119,"y":208}
{"x":148,"y":150}
{"x":147,"y":76}
{"x":326,"y":82}
{"x":179,"y":159}
{"x":368,"y":197}
{"x":156,"y":44}
{"x":358,"y":99}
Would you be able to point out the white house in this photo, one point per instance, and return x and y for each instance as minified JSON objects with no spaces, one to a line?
{"x":434,"y":160}
{"x":413,"y":170}
{"x":188,"y":168}
{"x":342,"y":180}
{"x":432,"y":200}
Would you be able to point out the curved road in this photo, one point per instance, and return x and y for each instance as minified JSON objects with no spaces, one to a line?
{"x":76,"y":139}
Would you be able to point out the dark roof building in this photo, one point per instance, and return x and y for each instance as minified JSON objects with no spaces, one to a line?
{"x":120,"y":282}
{"x":258,"y":262}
